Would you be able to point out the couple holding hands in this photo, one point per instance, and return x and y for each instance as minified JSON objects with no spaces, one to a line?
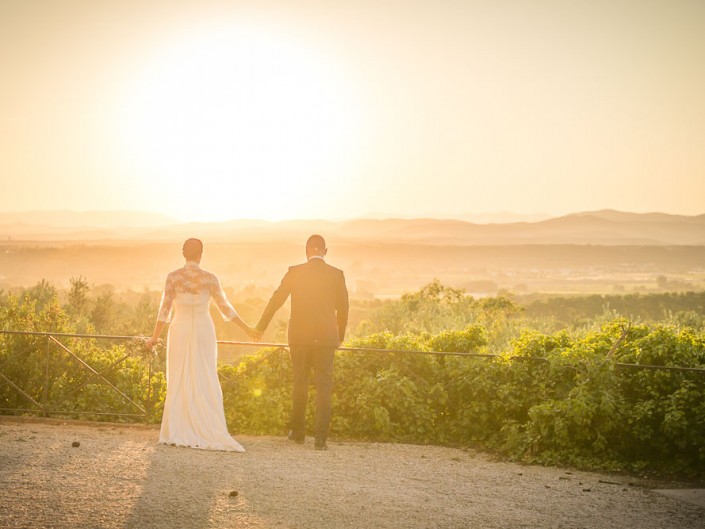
{"x":193,"y":410}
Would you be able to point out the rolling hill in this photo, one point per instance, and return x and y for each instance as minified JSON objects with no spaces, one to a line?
{"x":606,"y":227}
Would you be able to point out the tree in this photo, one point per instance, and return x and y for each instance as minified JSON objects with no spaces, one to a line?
{"x":102,"y":313}
{"x":42,"y":293}
{"x":78,"y":296}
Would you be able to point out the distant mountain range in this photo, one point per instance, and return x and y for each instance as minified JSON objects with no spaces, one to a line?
{"x":606,"y":227}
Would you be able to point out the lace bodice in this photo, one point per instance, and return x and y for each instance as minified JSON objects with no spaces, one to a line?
{"x":192,"y":279}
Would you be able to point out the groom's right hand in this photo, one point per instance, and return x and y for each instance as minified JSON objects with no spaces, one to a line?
{"x":256,"y":334}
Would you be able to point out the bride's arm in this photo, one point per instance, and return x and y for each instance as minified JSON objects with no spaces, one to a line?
{"x":164,"y":311}
{"x":228,"y":312}
{"x":155,"y":335}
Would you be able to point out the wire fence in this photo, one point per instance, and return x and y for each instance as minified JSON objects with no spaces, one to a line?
{"x":42,"y":404}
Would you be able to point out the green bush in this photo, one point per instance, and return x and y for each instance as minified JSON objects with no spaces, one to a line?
{"x":565,"y":397}
{"x":59,"y":380}
{"x":552,"y":399}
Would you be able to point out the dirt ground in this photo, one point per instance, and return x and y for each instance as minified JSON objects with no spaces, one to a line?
{"x":120,"y":477}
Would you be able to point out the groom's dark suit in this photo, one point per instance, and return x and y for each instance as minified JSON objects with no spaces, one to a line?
{"x":319,"y":316}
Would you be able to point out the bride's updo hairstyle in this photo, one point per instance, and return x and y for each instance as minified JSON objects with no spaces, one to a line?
{"x":193,"y":249}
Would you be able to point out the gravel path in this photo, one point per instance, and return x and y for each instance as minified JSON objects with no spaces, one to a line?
{"x":119,"y":477}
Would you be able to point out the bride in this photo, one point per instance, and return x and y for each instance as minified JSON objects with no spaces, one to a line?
{"x":193,"y":409}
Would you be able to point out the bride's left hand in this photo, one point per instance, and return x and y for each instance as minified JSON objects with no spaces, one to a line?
{"x":255,"y":334}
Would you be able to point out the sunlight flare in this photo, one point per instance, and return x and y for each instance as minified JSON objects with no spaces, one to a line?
{"x":237,"y":123}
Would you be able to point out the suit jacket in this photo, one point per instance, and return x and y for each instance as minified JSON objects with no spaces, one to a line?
{"x":319,"y":304}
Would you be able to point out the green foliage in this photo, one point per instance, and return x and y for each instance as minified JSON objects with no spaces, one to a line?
{"x":468,"y":340}
{"x":528,"y":390}
{"x":23,"y":357}
{"x":103,"y":312}
{"x":389,"y":396}
{"x":61,"y":376}
{"x":78,"y":296}
{"x":558,"y":398}
{"x":437,"y":308}
{"x":257,"y":392}
{"x":681,"y":307}
{"x":434,"y":308}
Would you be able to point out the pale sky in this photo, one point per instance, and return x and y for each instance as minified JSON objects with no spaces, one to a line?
{"x":278,"y":110}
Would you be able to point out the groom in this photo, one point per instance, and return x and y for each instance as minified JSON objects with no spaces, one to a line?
{"x":319,"y":316}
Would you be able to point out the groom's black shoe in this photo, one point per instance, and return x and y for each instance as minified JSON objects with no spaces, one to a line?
{"x":297,"y":438}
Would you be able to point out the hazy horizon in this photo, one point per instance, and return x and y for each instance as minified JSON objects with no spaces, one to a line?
{"x":271,"y":110}
{"x":43,"y":215}
{"x":57,"y":217}
{"x":605,"y":227}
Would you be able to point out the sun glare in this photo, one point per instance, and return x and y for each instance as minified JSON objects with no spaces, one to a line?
{"x":236,"y":124}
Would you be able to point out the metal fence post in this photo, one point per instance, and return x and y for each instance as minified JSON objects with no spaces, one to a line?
{"x":148,"y":404}
{"x":45,"y":392}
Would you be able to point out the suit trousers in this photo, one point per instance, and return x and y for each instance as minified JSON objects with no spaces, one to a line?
{"x":303,"y":360}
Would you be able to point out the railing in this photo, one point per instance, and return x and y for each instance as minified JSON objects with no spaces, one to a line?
{"x":43,"y":406}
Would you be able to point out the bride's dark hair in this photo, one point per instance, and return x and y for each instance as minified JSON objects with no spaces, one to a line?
{"x":193,"y":249}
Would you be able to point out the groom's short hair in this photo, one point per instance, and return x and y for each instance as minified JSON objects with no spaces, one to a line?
{"x":316,"y":242}
{"x":193,"y":249}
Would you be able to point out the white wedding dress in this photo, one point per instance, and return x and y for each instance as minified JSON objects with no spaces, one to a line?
{"x":193,"y":409}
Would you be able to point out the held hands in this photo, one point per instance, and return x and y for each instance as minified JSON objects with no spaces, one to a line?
{"x":254,"y":334}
